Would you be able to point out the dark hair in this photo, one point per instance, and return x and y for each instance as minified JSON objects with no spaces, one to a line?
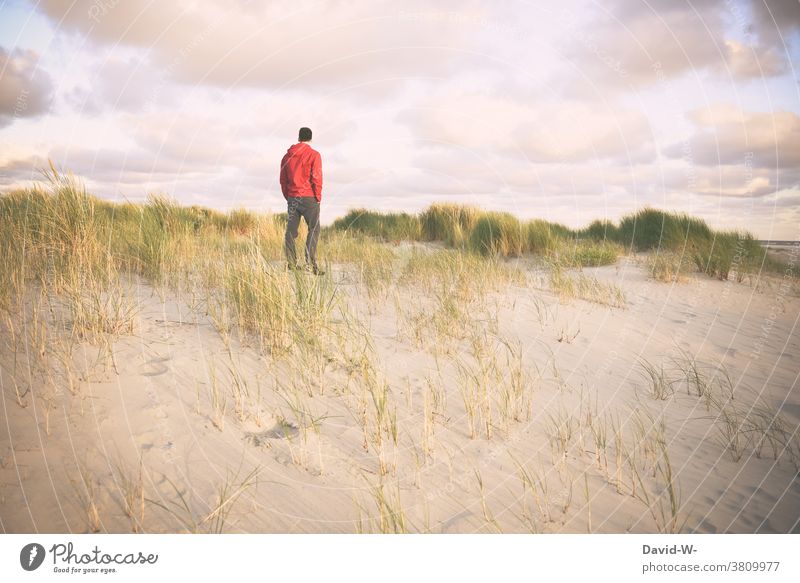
{"x":305,"y":135}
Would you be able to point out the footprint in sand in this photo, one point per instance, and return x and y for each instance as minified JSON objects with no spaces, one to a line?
{"x":169,"y":323}
{"x":159,"y":413}
{"x":279,"y":431}
{"x":155,"y":366}
{"x":453,"y":521}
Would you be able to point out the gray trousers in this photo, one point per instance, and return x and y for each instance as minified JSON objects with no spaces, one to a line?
{"x":308,"y":208}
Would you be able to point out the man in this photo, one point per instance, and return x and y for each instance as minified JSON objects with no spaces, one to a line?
{"x":301,"y":183}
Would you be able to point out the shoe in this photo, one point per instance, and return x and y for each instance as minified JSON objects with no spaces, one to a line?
{"x":317,"y":271}
{"x":295,"y":267}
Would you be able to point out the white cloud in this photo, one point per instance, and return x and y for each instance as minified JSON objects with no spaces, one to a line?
{"x":568,"y":131}
{"x":546,"y":109}
{"x":633,"y":43}
{"x":725,"y":134}
{"x":280,"y":43}
{"x":120,"y":85}
{"x":25,"y":89}
{"x":753,"y":61}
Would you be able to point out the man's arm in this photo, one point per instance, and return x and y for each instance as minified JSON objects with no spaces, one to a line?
{"x":284,"y":178}
{"x":316,"y":177}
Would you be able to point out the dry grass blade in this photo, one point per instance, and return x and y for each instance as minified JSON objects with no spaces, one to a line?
{"x":659,"y":385}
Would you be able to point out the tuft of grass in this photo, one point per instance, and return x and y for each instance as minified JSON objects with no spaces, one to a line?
{"x":732,"y":429}
{"x":217,"y":399}
{"x":669,"y":266}
{"x":716,"y":253}
{"x":372,"y":262}
{"x":516,"y":388}
{"x":87,"y":494}
{"x":281,"y":309}
{"x":131,"y":487}
{"x":241,"y":221}
{"x":229,"y":491}
{"x":650,"y":228}
{"x":600,"y":230}
{"x":659,"y":386}
{"x":477,"y":384}
{"x":561,"y":428}
{"x":535,"y":484}
{"x":585,"y":288}
{"x":393,"y":227}
{"x":100,"y":309}
{"x":450,"y":223}
{"x":599,"y":428}
{"x":541,"y":237}
{"x":487,"y":513}
{"x":391,"y":517}
{"x":164,"y":232}
{"x":465,"y":275}
{"x":575,"y":253}
{"x":665,"y":505}
{"x":498,"y":234}
{"x":694,"y":375}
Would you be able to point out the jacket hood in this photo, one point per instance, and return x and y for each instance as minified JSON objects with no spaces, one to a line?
{"x":295,"y":147}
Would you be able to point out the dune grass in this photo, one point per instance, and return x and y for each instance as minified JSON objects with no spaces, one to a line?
{"x":280,"y":307}
{"x":715,"y":253}
{"x":449,"y":223}
{"x":600,"y":231}
{"x":679,"y":243}
{"x":581,"y":253}
{"x":215,"y":517}
{"x":62,"y":232}
{"x":541,"y":236}
{"x":498,"y":234}
{"x":450,"y":271}
{"x":393,"y":227}
{"x":75,"y":251}
{"x":585,"y":287}
{"x":654,"y":229}
{"x":669,"y":266}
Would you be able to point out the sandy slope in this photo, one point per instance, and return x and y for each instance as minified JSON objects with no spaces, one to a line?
{"x":582,"y":358}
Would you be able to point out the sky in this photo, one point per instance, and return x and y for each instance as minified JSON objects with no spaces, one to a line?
{"x":565,"y":110}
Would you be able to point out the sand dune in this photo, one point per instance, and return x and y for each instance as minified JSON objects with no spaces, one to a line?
{"x":153,"y":430}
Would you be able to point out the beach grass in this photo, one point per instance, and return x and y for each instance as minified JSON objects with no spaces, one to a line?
{"x":74,"y":266}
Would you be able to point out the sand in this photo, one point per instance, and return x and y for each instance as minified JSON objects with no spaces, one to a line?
{"x":63,"y":466}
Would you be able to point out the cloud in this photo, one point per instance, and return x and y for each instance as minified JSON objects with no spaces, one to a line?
{"x":280,"y":43}
{"x":579,"y":132}
{"x":754,"y":61}
{"x":635,"y":43}
{"x":120,"y":84}
{"x":565,"y":131}
{"x":190,"y":140}
{"x":510,"y":106}
{"x":774,"y":22}
{"x":734,"y":182}
{"x":104,"y":166}
{"x":25,"y":90}
{"x":724,"y":134}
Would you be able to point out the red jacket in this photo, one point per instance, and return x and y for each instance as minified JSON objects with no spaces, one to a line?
{"x":301,"y":172}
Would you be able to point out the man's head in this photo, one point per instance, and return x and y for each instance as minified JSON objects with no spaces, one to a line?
{"x":305,"y":135}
